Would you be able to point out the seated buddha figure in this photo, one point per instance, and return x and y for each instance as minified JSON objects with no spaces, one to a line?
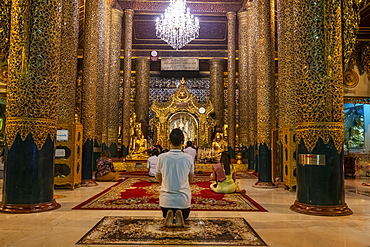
{"x":218,"y":145}
{"x":138,"y":143}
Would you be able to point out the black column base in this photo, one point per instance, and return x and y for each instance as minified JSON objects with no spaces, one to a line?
{"x":337,"y":210}
{"x":88,"y":183}
{"x":264,"y":185}
{"x":29,"y":208}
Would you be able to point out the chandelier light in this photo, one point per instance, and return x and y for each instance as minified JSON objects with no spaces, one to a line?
{"x":177,"y":27}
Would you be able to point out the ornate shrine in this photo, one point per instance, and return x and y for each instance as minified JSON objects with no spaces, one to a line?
{"x":182,"y":111}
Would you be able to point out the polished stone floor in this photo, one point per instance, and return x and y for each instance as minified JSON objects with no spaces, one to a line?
{"x":279,"y":227}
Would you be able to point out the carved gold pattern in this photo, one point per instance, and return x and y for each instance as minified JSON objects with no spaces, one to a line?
{"x":33,"y":70}
{"x":244,"y":94}
{"x":320,"y":77}
{"x":265,"y":75}
{"x":114,"y":80}
{"x":106,"y":72}
{"x":217,"y":88}
{"x":364,"y":49}
{"x":286,"y":82}
{"x":5,"y":9}
{"x":142,"y":92}
{"x":251,"y":80}
{"x":231,"y":43}
{"x":90,"y":69}
{"x":68,"y":63}
{"x":351,"y":21}
{"x":287,"y":91}
{"x":163,"y":112}
{"x":101,"y":20}
{"x":129,"y":15}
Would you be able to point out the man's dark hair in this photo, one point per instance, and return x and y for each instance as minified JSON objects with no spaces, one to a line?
{"x":155,"y":152}
{"x":189,"y":143}
{"x":176,"y":137}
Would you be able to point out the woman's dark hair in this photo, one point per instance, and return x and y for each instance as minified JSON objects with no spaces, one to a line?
{"x":225,"y":160}
{"x":176,"y":137}
{"x":105,"y":153}
{"x":155,"y":152}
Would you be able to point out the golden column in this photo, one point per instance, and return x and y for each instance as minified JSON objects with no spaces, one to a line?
{"x":68,"y":63}
{"x":91,"y":70}
{"x":68,"y":169}
{"x":101,"y":24}
{"x":231,"y":40}
{"x":244,"y":94}
{"x":319,"y":78}
{"x":216,"y":67}
{"x":5,"y":9}
{"x":31,"y":111}
{"x":142,"y":93}
{"x":265,"y":83}
{"x":129,"y":15}
{"x":114,"y":80}
{"x":287,"y":91}
{"x":106,"y":74}
{"x":252,"y":85}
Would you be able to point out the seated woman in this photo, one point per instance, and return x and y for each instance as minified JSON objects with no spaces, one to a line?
{"x":105,"y":169}
{"x":224,"y":176}
{"x":152,"y":165}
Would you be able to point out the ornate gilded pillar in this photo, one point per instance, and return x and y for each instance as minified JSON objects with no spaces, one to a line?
{"x":251,"y":85}
{"x":106,"y":72}
{"x":101,"y":25}
{"x":216,"y":67}
{"x":5,"y":9}
{"x":68,"y":63}
{"x":114,"y":80}
{"x":244,"y":110}
{"x":91,"y":70}
{"x":142,"y":93}
{"x":265,"y":83}
{"x":129,"y":15}
{"x":231,"y":43}
{"x":287,"y":92}
{"x":31,"y":107}
{"x":68,"y":169}
{"x":320,"y":178}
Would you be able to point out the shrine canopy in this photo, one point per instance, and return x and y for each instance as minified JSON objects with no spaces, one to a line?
{"x":182,"y":103}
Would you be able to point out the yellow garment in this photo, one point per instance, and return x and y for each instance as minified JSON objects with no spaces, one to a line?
{"x":226,"y":186}
{"x":112,"y":176}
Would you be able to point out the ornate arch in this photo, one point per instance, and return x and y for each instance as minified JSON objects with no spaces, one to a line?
{"x":182,"y":101}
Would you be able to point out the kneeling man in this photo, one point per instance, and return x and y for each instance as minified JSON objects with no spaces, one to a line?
{"x":175,"y":171}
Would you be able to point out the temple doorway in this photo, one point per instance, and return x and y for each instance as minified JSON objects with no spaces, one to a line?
{"x":187,"y":123}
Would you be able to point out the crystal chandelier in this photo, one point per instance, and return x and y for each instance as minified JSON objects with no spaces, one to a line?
{"x":177,"y":27}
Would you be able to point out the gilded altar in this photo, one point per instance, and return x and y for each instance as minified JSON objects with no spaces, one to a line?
{"x":183,"y":111}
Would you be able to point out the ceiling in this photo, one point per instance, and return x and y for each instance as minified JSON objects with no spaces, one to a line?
{"x":212,"y":40}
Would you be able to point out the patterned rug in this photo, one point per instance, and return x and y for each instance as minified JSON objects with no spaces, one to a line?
{"x":148,"y":231}
{"x":136,"y":193}
{"x":239,"y":175}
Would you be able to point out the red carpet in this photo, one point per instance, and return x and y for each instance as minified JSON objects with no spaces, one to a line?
{"x":136,"y":193}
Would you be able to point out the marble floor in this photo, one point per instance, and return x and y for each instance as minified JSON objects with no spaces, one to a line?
{"x":279,"y":227}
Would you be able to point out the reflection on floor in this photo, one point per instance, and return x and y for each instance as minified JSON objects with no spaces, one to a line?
{"x":279,"y":227}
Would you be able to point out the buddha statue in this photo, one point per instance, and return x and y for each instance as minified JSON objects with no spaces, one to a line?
{"x":138,"y":143}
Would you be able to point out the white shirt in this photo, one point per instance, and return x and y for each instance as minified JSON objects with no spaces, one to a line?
{"x":152,"y":165}
{"x":175,"y":167}
{"x":191,"y":151}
